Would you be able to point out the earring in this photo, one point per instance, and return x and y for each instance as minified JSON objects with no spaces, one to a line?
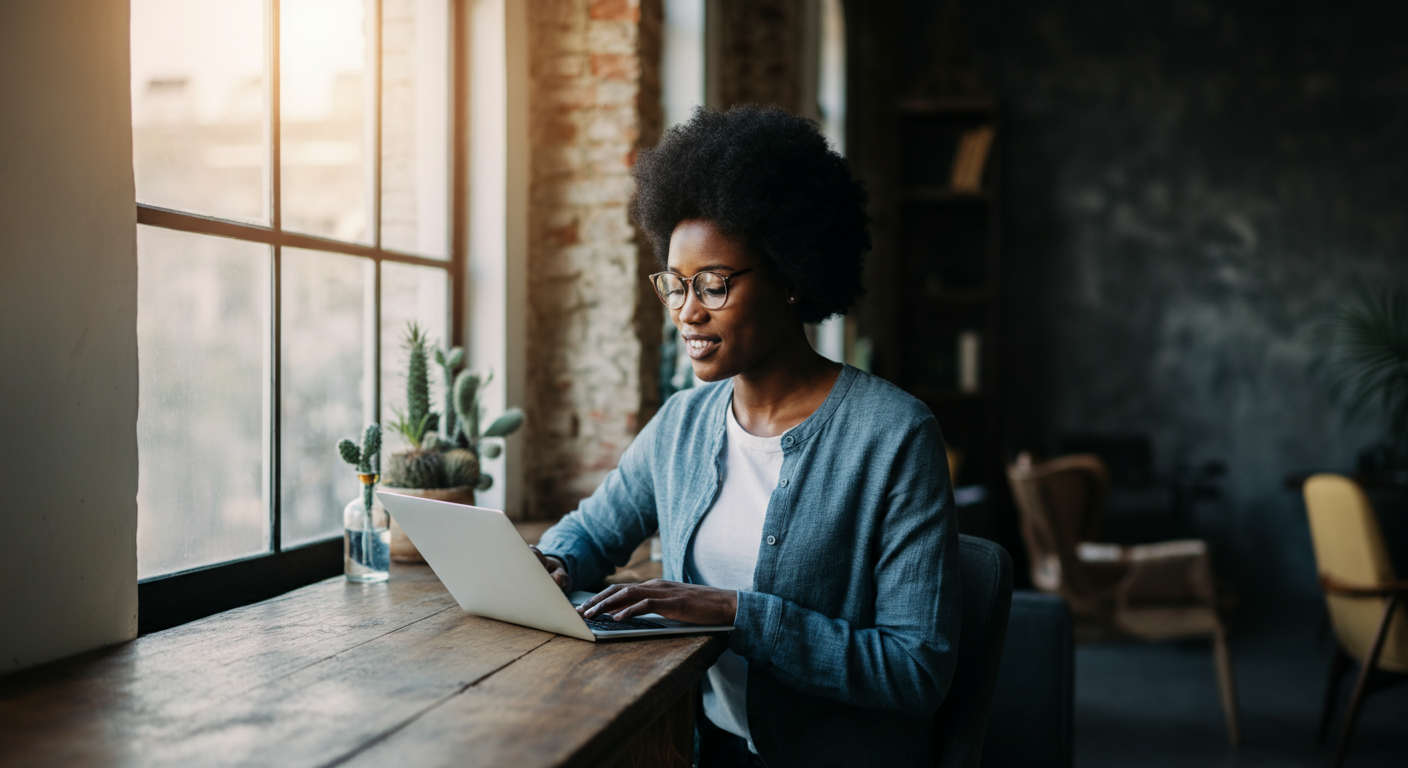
{"x":791,"y":299}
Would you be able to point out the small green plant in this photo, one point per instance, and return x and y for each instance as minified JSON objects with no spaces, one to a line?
{"x":1365,"y":360}
{"x":418,"y":420}
{"x":365,"y":458}
{"x":454,"y":460}
{"x":450,"y":361}
{"x":461,"y":467}
{"x":468,"y":386}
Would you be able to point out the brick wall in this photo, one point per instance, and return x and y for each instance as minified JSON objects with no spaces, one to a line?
{"x":594,"y":325}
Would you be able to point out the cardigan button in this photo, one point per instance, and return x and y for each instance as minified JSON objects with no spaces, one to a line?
{"x":772,"y":540}
{"x":783,"y":483}
{"x":788,"y":441}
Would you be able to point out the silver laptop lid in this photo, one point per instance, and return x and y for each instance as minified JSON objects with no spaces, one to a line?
{"x":481,"y":559}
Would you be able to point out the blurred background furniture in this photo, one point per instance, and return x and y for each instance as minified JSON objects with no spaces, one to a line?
{"x":1361,"y":593}
{"x":1031,"y":720}
{"x":1143,"y":505}
{"x":986,"y":573}
{"x":1154,"y":591}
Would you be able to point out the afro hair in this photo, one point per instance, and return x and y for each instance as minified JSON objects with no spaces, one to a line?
{"x":770,"y":180}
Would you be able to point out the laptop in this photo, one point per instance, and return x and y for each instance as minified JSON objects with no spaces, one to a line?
{"x":481,"y":559}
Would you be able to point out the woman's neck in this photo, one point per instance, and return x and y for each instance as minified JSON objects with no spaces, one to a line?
{"x":780,"y":394}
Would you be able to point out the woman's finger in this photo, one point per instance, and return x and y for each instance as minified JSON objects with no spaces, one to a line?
{"x":597,"y":599}
{"x":636,"y":609}
{"x":612,"y":599}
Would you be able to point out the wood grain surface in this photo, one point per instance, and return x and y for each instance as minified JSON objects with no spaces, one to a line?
{"x":338,"y":673}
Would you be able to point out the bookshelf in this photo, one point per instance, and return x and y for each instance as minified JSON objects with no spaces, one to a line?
{"x":948,"y":262}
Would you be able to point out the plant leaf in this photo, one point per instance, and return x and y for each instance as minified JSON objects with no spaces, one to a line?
{"x":506,"y":424}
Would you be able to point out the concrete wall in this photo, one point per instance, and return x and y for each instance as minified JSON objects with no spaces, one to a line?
{"x":68,"y":306}
{"x":593,"y":324}
{"x":1190,"y":186}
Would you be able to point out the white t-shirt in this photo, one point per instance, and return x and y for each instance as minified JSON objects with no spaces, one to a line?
{"x":724,"y":552}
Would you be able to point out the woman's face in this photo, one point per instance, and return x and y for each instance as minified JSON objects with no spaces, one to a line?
{"x":752,"y":323}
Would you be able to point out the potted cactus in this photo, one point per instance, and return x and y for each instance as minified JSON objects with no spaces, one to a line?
{"x":442,"y":458}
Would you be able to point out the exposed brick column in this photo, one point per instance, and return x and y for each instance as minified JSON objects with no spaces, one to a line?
{"x":594,"y":326}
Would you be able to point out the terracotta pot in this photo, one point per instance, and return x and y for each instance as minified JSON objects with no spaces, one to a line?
{"x":402,"y":550}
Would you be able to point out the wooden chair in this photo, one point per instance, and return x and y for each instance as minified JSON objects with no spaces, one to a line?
{"x":1149,"y":591}
{"x":1361,"y":594}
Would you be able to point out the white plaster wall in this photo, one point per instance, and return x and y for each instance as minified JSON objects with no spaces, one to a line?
{"x":68,"y":331}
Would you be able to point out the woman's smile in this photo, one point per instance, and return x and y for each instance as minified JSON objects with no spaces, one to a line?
{"x":700,"y":346}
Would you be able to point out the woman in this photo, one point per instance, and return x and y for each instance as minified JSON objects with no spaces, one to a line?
{"x":804,"y":502}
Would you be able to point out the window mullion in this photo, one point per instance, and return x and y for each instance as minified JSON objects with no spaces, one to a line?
{"x":459,"y":176}
{"x":375,"y":69}
{"x":276,"y":300}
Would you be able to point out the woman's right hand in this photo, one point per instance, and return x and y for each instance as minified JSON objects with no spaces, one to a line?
{"x":555,"y":568}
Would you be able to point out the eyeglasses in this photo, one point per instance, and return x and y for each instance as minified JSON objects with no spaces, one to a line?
{"x":711,"y":288}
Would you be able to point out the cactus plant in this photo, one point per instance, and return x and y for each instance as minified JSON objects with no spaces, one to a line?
{"x":365,"y":458}
{"x":461,"y":467}
{"x":450,"y":361}
{"x":418,"y":420}
{"x":454,"y":458}
{"x":416,"y":468}
{"x":468,"y":386}
{"x":466,"y":401}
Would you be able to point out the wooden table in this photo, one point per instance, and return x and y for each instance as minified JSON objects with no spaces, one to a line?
{"x":344,"y":674}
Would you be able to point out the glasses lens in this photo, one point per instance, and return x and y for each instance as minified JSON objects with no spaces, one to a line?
{"x":671,"y":290}
{"x":713,"y":289}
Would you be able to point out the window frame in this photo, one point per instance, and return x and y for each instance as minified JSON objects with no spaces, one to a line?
{"x":175,"y":598}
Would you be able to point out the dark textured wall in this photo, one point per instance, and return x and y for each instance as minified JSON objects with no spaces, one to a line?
{"x":1189,"y":187}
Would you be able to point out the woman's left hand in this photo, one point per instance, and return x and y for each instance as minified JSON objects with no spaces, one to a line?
{"x":694,"y":603}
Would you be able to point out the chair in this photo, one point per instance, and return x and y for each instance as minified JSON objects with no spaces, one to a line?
{"x":1032,"y":718}
{"x":1361,"y":594}
{"x":1149,"y":591}
{"x":985,"y":571}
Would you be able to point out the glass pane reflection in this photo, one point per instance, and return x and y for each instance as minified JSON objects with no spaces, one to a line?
{"x":415,"y":126}
{"x":199,"y":106}
{"x":326,"y":384}
{"x":324,"y":101}
{"x":202,"y":424}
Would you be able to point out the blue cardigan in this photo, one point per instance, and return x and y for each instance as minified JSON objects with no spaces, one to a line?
{"x":852,"y":627}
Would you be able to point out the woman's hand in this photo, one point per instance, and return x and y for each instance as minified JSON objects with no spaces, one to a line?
{"x":556,"y":569}
{"x":694,"y":603}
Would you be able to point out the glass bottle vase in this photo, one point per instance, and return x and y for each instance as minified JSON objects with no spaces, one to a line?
{"x":366,"y":537}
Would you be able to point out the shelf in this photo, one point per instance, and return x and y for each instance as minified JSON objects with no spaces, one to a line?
{"x":948,"y":105}
{"x":940,"y":194}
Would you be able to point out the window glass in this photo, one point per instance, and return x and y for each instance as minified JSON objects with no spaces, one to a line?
{"x":415,"y":127}
{"x":203,"y":424}
{"x":326,"y":361}
{"x":204,"y":136}
{"x":324,"y":106}
{"x":199,"y":106}
{"x":410,"y":293}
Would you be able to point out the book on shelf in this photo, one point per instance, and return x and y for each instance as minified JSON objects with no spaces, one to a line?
{"x":955,"y":361}
{"x":970,"y":159}
{"x":969,"y":346}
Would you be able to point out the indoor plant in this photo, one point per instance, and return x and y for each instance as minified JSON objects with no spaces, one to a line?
{"x":366,"y":535}
{"x":1365,"y":360}
{"x":441,"y":465}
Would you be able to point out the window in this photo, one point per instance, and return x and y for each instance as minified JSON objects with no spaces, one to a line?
{"x":295,"y":165}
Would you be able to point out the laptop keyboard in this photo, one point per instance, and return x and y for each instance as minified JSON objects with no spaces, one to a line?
{"x":612,"y":625}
